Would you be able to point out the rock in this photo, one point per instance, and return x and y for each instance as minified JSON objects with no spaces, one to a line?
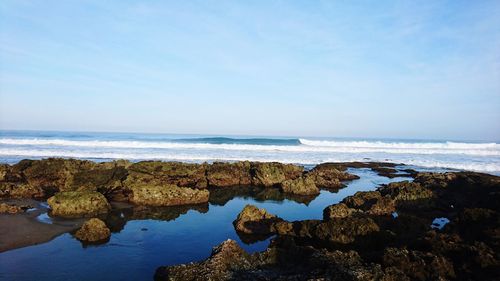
{"x":435,"y":179}
{"x":273,"y":173}
{"x":72,"y":204}
{"x":43,"y":178}
{"x":346,"y":230}
{"x":221,"y":174}
{"x":12,"y":209}
{"x":337,"y":211}
{"x":4,"y":170}
{"x":225,"y":259}
{"x":175,"y":173}
{"x":93,"y":230}
{"x":167,"y":195}
{"x":300,"y":186}
{"x":406,"y":191}
{"x":362,"y":199}
{"x":103,"y":177}
{"x":383,"y":206}
{"x":20,"y":190}
{"x":55,"y":174}
{"x":418,"y":265}
{"x":330,"y":176}
{"x":252,"y":220}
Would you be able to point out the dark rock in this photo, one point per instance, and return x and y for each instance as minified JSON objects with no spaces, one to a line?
{"x":338,"y":211}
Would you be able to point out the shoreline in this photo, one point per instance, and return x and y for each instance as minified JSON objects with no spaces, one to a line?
{"x":396,"y":216}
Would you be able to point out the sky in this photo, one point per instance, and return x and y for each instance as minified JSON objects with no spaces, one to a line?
{"x":391,"y":69}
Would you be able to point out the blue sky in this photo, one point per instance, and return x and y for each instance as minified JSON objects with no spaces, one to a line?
{"x":399,"y":69}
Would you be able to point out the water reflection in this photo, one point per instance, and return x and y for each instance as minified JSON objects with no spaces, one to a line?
{"x":144,"y":238}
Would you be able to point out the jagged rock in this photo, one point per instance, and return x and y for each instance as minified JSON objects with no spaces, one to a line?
{"x":176,"y":173}
{"x":435,"y":179}
{"x":337,"y":211}
{"x":252,"y":220}
{"x":71,"y":204}
{"x":300,"y":186}
{"x":166,"y":195}
{"x":406,"y":191}
{"x":330,"y":176}
{"x":221,"y":174}
{"x":346,"y":230}
{"x":20,"y":190}
{"x":4,"y":170}
{"x":273,"y":173}
{"x":383,"y":206}
{"x":418,"y":265}
{"x":43,"y":178}
{"x":93,"y":230}
{"x":225,"y":259}
{"x":362,"y":199}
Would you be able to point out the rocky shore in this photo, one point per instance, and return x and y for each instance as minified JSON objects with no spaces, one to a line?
{"x":386,"y":234}
{"x":79,"y":188}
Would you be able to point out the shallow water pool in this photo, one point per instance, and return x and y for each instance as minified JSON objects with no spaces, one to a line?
{"x":144,"y":239}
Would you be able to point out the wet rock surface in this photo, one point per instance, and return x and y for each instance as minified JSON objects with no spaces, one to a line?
{"x":41,"y":179}
{"x":252,"y":220}
{"x":92,"y":231}
{"x":166,"y":195}
{"x":303,"y":185}
{"x":13,"y":208}
{"x":73,"y":204}
{"x":359,"y":239}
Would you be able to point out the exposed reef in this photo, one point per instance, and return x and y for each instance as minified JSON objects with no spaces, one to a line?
{"x":151,"y":183}
{"x":387,"y":234}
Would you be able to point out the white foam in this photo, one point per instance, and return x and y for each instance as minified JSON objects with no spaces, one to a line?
{"x":473,"y":149}
{"x":311,"y":158}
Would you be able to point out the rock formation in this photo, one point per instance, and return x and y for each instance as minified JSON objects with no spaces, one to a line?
{"x":166,"y":195}
{"x":93,"y":230}
{"x":71,"y":204}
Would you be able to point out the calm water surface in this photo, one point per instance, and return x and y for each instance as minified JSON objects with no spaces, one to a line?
{"x":142,"y":241}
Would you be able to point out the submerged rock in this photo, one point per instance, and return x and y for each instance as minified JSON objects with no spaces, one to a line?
{"x":166,"y":195}
{"x":252,"y":220}
{"x":93,"y":230}
{"x":71,"y":204}
{"x":300,"y":186}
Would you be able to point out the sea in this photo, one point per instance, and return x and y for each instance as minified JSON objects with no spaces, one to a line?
{"x":143,"y":239}
{"x":99,"y":146}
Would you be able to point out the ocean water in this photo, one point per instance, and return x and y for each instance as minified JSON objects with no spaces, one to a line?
{"x":474,"y":156}
{"x":142,"y":241}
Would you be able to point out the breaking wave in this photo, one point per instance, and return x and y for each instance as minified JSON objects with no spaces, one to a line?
{"x":483,"y":157}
